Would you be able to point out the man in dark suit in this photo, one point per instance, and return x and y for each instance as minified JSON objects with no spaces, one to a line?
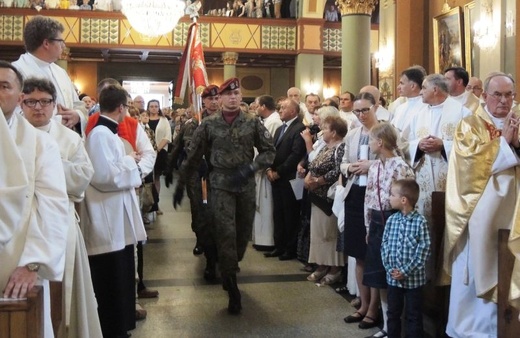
{"x":290,"y":149}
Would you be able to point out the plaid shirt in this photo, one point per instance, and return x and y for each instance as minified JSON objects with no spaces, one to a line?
{"x":406,"y":247}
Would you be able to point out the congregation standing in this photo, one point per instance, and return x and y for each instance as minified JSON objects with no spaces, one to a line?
{"x":441,"y":137}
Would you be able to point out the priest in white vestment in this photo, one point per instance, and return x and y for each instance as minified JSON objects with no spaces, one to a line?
{"x":79,"y":312}
{"x":481,"y":198}
{"x":44,"y":43}
{"x":409,"y":88}
{"x":263,"y":228}
{"x":33,"y":203}
{"x":430,"y":136}
{"x":458,"y":79}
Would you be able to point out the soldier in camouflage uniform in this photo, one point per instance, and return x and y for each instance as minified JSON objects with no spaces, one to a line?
{"x":228,"y":137}
{"x":200,"y":218}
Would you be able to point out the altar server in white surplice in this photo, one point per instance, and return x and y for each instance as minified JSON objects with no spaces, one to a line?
{"x":263,"y":227}
{"x":430,"y":136}
{"x":410,"y":88}
{"x":33,"y":202}
{"x":79,"y":313}
{"x":112,"y":222}
{"x":44,"y":43}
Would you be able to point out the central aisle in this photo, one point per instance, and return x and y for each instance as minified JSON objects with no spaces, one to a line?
{"x":277,"y":299}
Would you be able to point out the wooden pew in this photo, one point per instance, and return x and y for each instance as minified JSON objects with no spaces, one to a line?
{"x":436,"y":298}
{"x":23,"y":319}
{"x":55,"y":290}
{"x":508,"y":324}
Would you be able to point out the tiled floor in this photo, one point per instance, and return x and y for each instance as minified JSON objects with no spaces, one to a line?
{"x":277,"y":299}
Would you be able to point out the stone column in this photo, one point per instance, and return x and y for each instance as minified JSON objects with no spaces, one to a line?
{"x":355,"y":39}
{"x":230,"y":61}
{"x":64,"y":59}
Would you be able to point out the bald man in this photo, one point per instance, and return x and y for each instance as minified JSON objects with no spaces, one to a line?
{"x":382,"y":113}
{"x":295,"y":94}
{"x":475,"y":86}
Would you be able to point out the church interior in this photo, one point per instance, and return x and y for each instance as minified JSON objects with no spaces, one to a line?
{"x":371,"y":42}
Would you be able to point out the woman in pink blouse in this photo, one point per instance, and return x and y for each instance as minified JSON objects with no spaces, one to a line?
{"x":382,"y":173}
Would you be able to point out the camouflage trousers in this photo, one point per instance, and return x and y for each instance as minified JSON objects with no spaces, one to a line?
{"x":201,"y":218}
{"x":233,"y":216}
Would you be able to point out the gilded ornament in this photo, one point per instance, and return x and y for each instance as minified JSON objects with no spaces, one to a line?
{"x":349,"y":7}
{"x":229,"y":58}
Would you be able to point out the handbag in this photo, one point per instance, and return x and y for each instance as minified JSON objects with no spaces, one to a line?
{"x":146,"y":197}
{"x":324,"y":204}
{"x":338,"y":206}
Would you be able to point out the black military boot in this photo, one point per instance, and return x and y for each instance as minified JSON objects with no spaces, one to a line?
{"x":235,"y":303}
{"x":209,"y":272}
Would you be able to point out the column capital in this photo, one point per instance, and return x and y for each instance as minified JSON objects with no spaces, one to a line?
{"x":229,"y":58}
{"x":348,"y":7}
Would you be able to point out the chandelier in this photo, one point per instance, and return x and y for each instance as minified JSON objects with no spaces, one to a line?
{"x":153,"y":17}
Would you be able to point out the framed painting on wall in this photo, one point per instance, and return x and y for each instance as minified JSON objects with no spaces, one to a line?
{"x":447,"y":40}
{"x":469,"y":18}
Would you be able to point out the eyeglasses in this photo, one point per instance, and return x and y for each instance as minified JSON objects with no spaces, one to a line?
{"x":468,"y":87}
{"x":363,"y":111}
{"x":57,"y":40}
{"x":32,"y":102}
{"x":498,"y":96}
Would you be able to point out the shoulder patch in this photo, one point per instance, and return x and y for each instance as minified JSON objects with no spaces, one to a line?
{"x":267,"y":134}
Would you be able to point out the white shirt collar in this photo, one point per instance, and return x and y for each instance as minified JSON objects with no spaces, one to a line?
{"x":288,"y":123}
{"x":498,"y":121}
{"x":39,"y":62}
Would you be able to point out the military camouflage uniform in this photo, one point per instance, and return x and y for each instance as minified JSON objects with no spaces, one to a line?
{"x":201,"y":222}
{"x":227,"y":147}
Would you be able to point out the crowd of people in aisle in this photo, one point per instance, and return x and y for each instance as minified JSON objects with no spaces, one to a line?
{"x":344,"y":185}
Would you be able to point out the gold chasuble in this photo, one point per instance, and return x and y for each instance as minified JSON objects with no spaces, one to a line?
{"x":475,"y":149}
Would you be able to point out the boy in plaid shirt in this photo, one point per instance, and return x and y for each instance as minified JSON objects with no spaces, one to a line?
{"x":404,"y":251}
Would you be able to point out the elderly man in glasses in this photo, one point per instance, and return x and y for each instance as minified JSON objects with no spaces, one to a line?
{"x":43,"y":38}
{"x":482,"y":197}
{"x":38,"y":102}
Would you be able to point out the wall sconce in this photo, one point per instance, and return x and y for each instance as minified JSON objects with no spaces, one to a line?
{"x":485,"y":34}
{"x":328,"y":92}
{"x":384,"y":59}
{"x":312,"y":87}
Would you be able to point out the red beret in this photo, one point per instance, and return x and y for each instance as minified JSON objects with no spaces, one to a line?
{"x":230,"y":84}
{"x":211,"y":90}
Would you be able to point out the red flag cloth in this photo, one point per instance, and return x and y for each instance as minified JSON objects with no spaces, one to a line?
{"x":192,"y":69}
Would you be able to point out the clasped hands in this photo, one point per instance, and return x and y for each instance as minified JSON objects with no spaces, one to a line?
{"x":397,"y":275}
{"x":510,"y":130}
{"x":272,"y":175}
{"x":430,"y":144}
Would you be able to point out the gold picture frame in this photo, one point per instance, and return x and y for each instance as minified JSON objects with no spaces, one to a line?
{"x":469,"y":18}
{"x":447,"y":40}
